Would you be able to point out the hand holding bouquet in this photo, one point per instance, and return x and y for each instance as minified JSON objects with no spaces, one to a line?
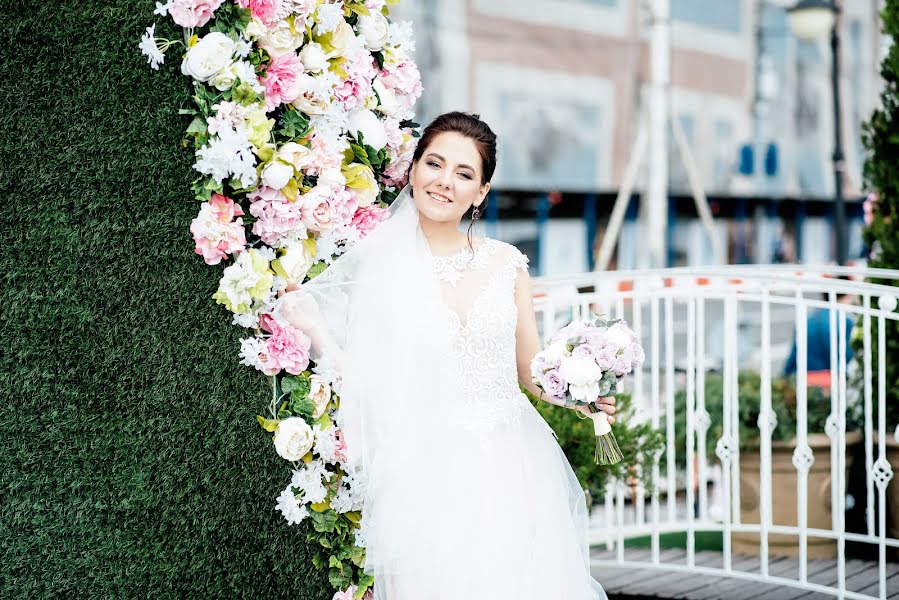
{"x":584,"y":361}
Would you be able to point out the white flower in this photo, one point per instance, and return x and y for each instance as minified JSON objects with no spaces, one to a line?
{"x":213,"y":53}
{"x":332,"y":177}
{"x":370,"y":126}
{"x":347,"y":44}
{"x":294,"y":262}
{"x":555,"y":352}
{"x":620,"y":336}
{"x":280,"y":39}
{"x":150,"y":49}
{"x":290,"y":507}
{"x":315,"y":94}
{"x":293,"y":438}
{"x":320,"y":394}
{"x":326,"y":444}
{"x":329,"y":16}
{"x":388,"y":103}
{"x":231,"y":153}
{"x":326,"y":368}
{"x":276,"y":174}
{"x":295,"y":154}
{"x":374,"y":29}
{"x":401,"y":35}
{"x":314,"y":58}
{"x":255,"y":28}
{"x":582,"y":375}
{"x":309,"y":479}
{"x":361,"y":534}
{"x":247,"y":74}
{"x":248,"y":320}
{"x":162,"y":9}
{"x":250,"y":351}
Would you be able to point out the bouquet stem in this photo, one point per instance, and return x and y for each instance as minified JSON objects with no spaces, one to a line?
{"x":607,"y":451}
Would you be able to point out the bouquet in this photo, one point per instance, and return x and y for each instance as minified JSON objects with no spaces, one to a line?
{"x":584,"y":361}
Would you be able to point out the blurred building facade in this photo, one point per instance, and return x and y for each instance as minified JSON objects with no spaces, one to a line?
{"x":562,"y":82}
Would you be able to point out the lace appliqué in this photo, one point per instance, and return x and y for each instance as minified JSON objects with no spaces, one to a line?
{"x":484,"y":348}
{"x":450,"y":269}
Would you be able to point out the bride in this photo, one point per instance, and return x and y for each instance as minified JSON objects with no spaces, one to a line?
{"x":469,"y":496}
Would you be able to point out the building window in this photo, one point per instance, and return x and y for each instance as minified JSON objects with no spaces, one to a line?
{"x":716,"y":14}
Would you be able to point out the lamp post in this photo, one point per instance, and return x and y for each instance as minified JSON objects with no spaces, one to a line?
{"x":810,"y":20}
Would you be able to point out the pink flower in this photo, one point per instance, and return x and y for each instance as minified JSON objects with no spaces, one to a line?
{"x":288,"y":347}
{"x":405,"y":81}
{"x":346,"y":594}
{"x":266,"y":10}
{"x":344,"y":203}
{"x":868,"y":206}
{"x":324,"y":156}
{"x":315,"y":206}
{"x":353,"y":91}
{"x":340,"y":450}
{"x":276,"y":216}
{"x":216,"y":232}
{"x":282,"y":80}
{"x":553,"y":384}
{"x":605,"y":359}
{"x":367,"y":218}
{"x":193,"y":13}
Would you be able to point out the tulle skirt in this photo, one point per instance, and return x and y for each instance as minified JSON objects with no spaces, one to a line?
{"x":477,"y":514}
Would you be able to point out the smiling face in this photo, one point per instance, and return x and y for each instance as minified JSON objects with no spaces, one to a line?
{"x":446,"y":180}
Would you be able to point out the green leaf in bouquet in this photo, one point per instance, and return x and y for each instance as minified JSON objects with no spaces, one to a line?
{"x":357,"y":555}
{"x":317,"y":560}
{"x":294,"y":124}
{"x":269,"y":425}
{"x":415,"y":127}
{"x":291,"y":383}
{"x":379,"y":57}
{"x":203,"y":188}
{"x":231,"y":18}
{"x":301,"y":406}
{"x":365,"y":582}
{"x":324,"y":522}
{"x":245,"y":95}
{"x":316,"y":269}
{"x":354,"y":516}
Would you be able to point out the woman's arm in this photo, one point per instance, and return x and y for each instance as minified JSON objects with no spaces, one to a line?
{"x":300,"y":310}
{"x":527,"y":345}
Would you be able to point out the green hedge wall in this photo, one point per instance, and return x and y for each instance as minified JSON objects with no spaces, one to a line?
{"x":132,"y":462}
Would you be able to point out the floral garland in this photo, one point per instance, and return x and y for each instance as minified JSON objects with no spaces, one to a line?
{"x":303,"y":136}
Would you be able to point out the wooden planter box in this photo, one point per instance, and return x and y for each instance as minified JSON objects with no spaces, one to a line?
{"x":784,"y":497}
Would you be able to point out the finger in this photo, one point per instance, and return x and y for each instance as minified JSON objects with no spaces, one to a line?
{"x":609,"y":410}
{"x":610,"y":400}
{"x":611,"y":420}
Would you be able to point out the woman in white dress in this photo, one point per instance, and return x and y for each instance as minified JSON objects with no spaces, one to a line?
{"x":469,"y":496}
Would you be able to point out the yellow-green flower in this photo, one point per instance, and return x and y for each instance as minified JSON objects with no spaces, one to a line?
{"x":248,"y":279}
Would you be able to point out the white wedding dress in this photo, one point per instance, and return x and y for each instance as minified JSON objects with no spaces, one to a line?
{"x":489,"y":509}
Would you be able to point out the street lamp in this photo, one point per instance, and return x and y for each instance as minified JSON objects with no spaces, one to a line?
{"x":810,"y":20}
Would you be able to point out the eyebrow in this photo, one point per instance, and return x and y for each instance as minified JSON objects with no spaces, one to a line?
{"x":464,"y":166}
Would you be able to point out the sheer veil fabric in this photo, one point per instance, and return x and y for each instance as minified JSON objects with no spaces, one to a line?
{"x":451,"y":512}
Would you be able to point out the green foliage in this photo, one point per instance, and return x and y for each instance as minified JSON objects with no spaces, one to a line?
{"x":783,"y":402}
{"x":133,"y":466}
{"x":638,"y":443}
{"x":881,"y":140}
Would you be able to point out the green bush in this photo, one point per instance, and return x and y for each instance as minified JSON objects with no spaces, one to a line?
{"x":638,"y":443}
{"x":882,"y":177}
{"x":133,"y":464}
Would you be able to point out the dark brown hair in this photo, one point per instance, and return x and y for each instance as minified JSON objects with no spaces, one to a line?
{"x":471,"y":126}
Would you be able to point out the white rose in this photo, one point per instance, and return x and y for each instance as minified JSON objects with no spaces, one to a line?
{"x":579,"y":370}
{"x":619,"y":336}
{"x":293,"y":438}
{"x":320,"y":394}
{"x":276,"y":174}
{"x":370,"y":126}
{"x":314,"y":58}
{"x":332,"y":178}
{"x":224,"y":79}
{"x":388,"y":102}
{"x":255,"y":28}
{"x":343,"y":39}
{"x":280,"y":39}
{"x":294,"y":263}
{"x":374,"y":29}
{"x":313,"y":99}
{"x":208,"y":56}
{"x":555,"y":352}
{"x":295,"y":154}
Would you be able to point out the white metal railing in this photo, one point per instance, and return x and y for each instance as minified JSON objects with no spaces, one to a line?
{"x":696,"y":321}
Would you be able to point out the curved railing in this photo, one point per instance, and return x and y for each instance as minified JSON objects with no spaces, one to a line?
{"x":724,"y":322}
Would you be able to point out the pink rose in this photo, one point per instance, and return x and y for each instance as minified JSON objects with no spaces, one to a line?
{"x":193,"y":13}
{"x":265,"y":10}
{"x":605,"y":359}
{"x":344,"y":203}
{"x":367,"y":218}
{"x":553,"y":384}
{"x":318,"y":215}
{"x":340,"y":450}
{"x":288,"y":347}
{"x":585,"y":350}
{"x":282,"y":80}
{"x":215,"y":230}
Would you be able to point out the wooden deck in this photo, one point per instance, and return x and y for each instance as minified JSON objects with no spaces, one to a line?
{"x":623,"y":583}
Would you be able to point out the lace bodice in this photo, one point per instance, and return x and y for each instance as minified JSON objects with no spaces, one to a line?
{"x":479,"y":295}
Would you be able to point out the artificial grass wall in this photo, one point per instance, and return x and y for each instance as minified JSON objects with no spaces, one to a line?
{"x":132,"y":462}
